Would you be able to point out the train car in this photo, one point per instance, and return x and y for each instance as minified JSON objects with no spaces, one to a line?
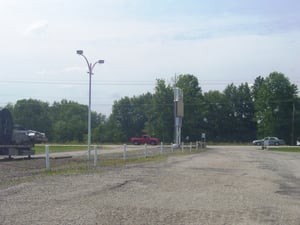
{"x":17,"y":140}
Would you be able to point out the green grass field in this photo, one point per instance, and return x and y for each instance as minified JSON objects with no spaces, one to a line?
{"x":40,"y":149}
{"x":286,"y":149}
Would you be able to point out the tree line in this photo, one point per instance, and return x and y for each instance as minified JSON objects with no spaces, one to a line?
{"x":268,"y":107}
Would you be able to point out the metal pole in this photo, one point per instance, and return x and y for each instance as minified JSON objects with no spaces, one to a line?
{"x":95,"y":156}
{"x":145,"y":150}
{"x":293,"y":126}
{"x":47,"y":157}
{"x":89,"y":116}
{"x":90,"y":72}
{"x":124,"y":153}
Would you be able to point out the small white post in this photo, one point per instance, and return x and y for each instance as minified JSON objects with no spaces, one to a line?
{"x":182,"y":146}
{"x":47,"y":157}
{"x":161,"y":147}
{"x":124,"y":152}
{"x":95,"y":156}
{"x":172,"y":147}
{"x":191,"y":147}
{"x":145,"y":150}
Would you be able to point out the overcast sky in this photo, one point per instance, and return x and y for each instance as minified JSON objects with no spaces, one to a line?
{"x":218,"y":41}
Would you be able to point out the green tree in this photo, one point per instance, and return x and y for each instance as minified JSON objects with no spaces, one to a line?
{"x":160,"y":118}
{"x":130,"y":115}
{"x":98,"y":122}
{"x":142,"y":106}
{"x":246,"y":130}
{"x":33,"y":114}
{"x":229,"y":115}
{"x":69,"y":121}
{"x":121,"y":114}
{"x":230,"y":125}
{"x":295,"y":135}
{"x":108,"y":131}
{"x":214,"y":115}
{"x":274,"y":106}
{"x":256,"y":87}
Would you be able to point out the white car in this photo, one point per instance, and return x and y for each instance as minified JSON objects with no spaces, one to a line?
{"x":269,"y":141}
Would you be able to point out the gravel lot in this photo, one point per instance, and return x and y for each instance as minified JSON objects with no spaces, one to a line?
{"x":223,"y":185}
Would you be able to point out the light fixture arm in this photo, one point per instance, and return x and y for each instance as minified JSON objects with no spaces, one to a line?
{"x":92,"y":66}
{"x":88,"y":64}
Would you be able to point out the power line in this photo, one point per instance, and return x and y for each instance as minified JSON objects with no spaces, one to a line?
{"x":120,"y":82}
{"x":64,"y":82}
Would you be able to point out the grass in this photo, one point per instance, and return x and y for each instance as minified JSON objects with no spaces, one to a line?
{"x":40,"y":149}
{"x":229,"y":143}
{"x":285,"y":149}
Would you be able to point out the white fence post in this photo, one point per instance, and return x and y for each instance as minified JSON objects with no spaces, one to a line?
{"x":191,"y":147}
{"x":145,"y":150}
{"x":95,"y":156}
{"x":161,"y":147}
{"x":124,"y":153}
{"x":47,"y":158}
{"x":172,"y":147}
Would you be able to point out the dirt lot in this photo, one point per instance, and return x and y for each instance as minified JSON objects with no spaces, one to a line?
{"x":223,"y":185}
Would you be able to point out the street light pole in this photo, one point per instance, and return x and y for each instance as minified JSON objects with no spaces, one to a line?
{"x":90,"y":72}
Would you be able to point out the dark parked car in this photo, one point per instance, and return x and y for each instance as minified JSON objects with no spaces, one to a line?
{"x":269,"y":141}
{"x":22,"y":135}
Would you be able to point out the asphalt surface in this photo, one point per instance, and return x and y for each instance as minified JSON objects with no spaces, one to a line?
{"x":223,"y":185}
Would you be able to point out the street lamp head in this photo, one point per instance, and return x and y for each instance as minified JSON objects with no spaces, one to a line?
{"x":79,"y":52}
{"x":100,"y":61}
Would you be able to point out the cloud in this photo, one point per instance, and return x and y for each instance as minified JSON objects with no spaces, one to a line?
{"x":73,"y":69}
{"x":37,"y":28}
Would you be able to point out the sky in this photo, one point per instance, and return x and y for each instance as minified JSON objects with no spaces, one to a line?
{"x":218,"y":41}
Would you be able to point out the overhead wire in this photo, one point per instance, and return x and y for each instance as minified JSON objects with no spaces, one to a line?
{"x":111,"y":83}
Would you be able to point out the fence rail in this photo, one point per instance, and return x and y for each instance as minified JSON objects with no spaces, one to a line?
{"x":21,"y":168}
{"x":129,"y":152}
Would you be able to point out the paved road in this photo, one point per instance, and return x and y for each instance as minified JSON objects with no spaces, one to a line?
{"x":224,"y":185}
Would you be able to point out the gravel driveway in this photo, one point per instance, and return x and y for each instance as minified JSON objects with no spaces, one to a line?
{"x":223,"y":185}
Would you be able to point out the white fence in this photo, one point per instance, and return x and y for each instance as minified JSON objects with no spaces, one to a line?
{"x":127,"y":152}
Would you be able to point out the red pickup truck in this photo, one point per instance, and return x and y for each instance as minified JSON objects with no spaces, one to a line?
{"x":144,"y":139}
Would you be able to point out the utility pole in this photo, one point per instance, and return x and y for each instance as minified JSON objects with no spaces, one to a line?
{"x":178,"y":113}
{"x":293,"y":125}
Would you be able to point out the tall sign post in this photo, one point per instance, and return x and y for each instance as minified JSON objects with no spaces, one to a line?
{"x":178,"y":114}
